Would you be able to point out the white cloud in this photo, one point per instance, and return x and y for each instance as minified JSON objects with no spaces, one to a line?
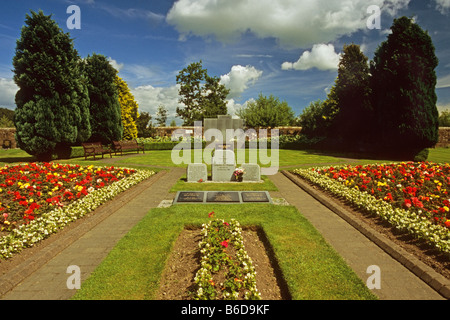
{"x":322,"y":57}
{"x":233,"y":106}
{"x":115,"y":64}
{"x":132,"y":13}
{"x":239,"y":78}
{"x":443,"y":82}
{"x":443,"y":6}
{"x":8,"y":90}
{"x":149,"y":98}
{"x":299,"y":23}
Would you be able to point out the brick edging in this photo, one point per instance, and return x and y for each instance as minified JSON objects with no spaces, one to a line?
{"x":13,"y":277}
{"x":435,"y":280}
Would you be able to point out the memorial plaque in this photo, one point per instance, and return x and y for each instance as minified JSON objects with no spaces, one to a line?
{"x":254,"y":196}
{"x":222,"y":196}
{"x":190,"y":196}
{"x":197,"y":172}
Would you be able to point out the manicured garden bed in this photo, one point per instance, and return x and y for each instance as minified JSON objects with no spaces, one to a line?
{"x":413,"y":197}
{"x":38,"y":199}
{"x":310,"y":268}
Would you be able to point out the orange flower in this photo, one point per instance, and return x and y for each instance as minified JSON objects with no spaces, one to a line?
{"x":447,"y":223}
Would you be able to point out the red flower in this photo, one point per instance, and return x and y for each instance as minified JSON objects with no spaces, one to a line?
{"x":211,"y":214}
{"x":447,"y":223}
{"x":225,"y":243}
{"x":407,"y":203}
{"x":417,"y":203}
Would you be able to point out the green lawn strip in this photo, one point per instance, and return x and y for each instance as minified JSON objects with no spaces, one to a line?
{"x":312,"y":269}
{"x":183,"y":185}
{"x":286,"y":158}
{"x":439,"y":155}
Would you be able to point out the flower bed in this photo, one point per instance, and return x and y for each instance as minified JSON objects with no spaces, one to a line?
{"x":38,"y":199}
{"x":413,"y":197}
{"x":226,"y":270}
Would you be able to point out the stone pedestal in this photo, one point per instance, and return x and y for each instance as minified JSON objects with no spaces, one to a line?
{"x":222,"y":172}
{"x":197,"y":172}
{"x":252,"y":172}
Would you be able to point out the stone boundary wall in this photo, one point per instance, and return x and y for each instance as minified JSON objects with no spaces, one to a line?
{"x":7,"y":138}
{"x":444,"y":137}
{"x":7,"y":135}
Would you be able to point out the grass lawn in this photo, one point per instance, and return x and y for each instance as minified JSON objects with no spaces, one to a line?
{"x":439,"y":155}
{"x":287,"y":158}
{"x":182,"y":185}
{"x":311,"y":268}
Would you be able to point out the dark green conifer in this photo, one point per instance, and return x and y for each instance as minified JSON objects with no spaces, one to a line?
{"x":52,"y":100}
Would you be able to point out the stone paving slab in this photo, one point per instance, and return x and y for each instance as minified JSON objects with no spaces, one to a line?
{"x":351,"y":241}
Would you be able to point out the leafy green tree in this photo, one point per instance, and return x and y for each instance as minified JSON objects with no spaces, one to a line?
{"x":444,"y":118}
{"x":203,"y":96}
{"x":105,"y":110}
{"x":5,"y":122}
{"x":7,"y":113}
{"x":52,"y":101}
{"x":266,"y":112}
{"x":354,"y":117}
{"x":214,"y":101}
{"x":144,"y":125}
{"x":129,"y":109}
{"x":161,"y":116}
{"x":317,"y":119}
{"x":403,"y":83}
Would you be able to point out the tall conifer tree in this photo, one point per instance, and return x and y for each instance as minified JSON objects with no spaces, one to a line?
{"x":353,"y":121}
{"x":403,"y":84}
{"x":52,"y":100}
{"x":106,"y":118}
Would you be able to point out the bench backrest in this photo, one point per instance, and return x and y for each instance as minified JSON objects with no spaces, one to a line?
{"x":92,"y":145}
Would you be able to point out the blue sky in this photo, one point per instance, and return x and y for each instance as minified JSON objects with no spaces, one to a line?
{"x":288,"y":48}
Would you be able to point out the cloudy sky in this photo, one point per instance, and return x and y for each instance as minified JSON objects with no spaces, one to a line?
{"x":288,"y":48}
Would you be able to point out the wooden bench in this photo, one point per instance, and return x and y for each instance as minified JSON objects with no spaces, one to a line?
{"x":120,"y":146}
{"x":95,"y":148}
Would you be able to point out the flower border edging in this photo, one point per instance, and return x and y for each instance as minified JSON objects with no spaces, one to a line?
{"x":12,"y":277}
{"x":420,"y":269}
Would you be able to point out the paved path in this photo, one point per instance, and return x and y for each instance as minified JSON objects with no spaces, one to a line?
{"x":397,"y":282}
{"x":44,"y":276}
{"x":90,"y":243}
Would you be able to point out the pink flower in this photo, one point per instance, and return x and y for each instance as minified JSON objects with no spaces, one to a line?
{"x":224,"y":243}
